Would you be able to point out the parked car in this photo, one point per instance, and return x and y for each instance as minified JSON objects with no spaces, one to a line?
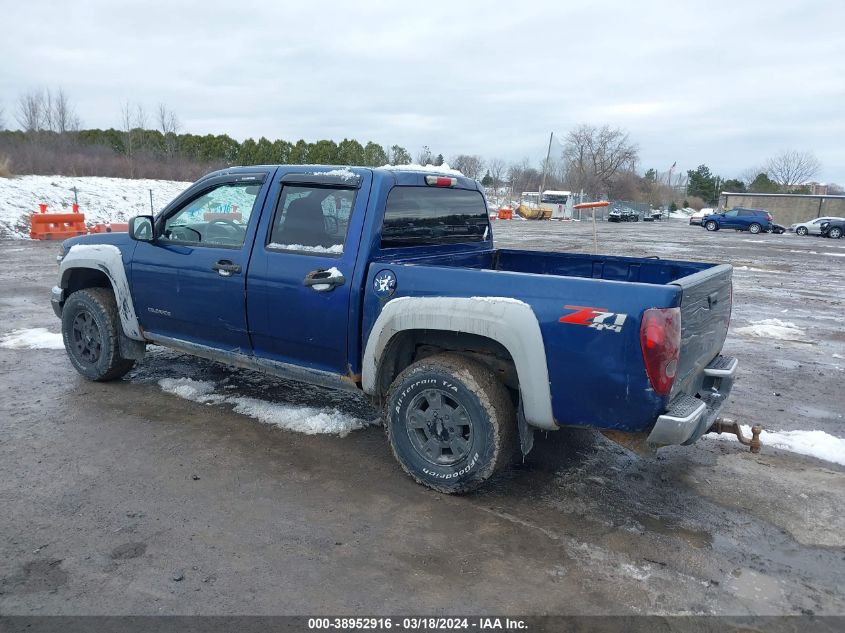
{"x":697,"y":218}
{"x":833,"y":229}
{"x":388,"y":282}
{"x":811,"y":227}
{"x":654,"y":215}
{"x":623,"y":215}
{"x":752,"y":220}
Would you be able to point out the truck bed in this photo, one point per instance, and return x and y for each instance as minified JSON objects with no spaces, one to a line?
{"x":587,"y":368}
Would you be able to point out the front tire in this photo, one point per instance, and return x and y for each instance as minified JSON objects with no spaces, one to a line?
{"x":755,"y":228}
{"x":711,"y":226}
{"x":802,"y":231}
{"x":450,"y":423}
{"x":91,"y":329}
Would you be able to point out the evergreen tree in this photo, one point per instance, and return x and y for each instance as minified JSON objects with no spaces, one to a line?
{"x":763,"y":184}
{"x":439,"y":160}
{"x":487,"y":181}
{"x":702,"y":183}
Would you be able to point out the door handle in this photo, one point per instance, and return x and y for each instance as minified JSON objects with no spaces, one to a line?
{"x":225,"y":268}
{"x":324,"y":280}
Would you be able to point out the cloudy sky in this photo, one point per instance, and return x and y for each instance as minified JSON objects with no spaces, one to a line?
{"x":723,"y":83}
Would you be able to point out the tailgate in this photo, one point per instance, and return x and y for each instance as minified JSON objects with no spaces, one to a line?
{"x":705,"y":314}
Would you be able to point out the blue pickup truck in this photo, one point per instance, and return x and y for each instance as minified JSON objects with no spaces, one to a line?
{"x":387,"y":281}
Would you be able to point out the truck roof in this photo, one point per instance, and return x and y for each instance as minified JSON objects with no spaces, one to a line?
{"x":401,"y":174}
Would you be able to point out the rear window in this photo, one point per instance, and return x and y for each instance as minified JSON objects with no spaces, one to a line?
{"x":429,"y":215}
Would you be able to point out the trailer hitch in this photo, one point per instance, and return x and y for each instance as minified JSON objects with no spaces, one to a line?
{"x":726,"y":425}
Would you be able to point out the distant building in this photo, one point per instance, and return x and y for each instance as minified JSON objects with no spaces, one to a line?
{"x":787,"y":208}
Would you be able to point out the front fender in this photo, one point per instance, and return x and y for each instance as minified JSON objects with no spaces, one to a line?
{"x":107,"y":259}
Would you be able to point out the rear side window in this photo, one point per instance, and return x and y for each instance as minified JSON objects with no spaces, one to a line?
{"x":433,"y":215}
{"x":312,"y":219}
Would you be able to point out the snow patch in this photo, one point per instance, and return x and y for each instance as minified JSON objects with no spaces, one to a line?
{"x":196,"y":390}
{"x":834,"y":254}
{"x":435,"y":169}
{"x":33,"y":338}
{"x":345,"y":173}
{"x":813,"y":443}
{"x":335,"y":248}
{"x":300,"y":419}
{"x":773,"y":328}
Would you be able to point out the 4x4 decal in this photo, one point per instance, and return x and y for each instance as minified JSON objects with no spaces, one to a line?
{"x":597,"y":318}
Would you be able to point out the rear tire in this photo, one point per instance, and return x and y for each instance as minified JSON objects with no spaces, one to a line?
{"x":91,"y":331}
{"x":835,"y":233}
{"x":802,"y":231}
{"x":450,"y":423}
{"x":711,"y":226}
{"x":755,"y":228}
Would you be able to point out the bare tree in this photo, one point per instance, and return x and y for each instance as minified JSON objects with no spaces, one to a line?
{"x":595,"y":155}
{"x":2,"y":119}
{"x":62,"y":115}
{"x":169,"y":125}
{"x":425,"y":157}
{"x":791,"y":167}
{"x":470,"y":165}
{"x":750,"y":174}
{"x":30,"y":113}
{"x":497,"y":168}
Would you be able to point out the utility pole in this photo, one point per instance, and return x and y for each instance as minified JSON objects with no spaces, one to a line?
{"x":546,"y":166}
{"x":151,"y":203}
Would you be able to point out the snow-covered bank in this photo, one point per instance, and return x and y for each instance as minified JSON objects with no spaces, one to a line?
{"x":100,"y":199}
{"x":817,"y":444}
{"x":33,"y":338}
{"x":301,"y":419}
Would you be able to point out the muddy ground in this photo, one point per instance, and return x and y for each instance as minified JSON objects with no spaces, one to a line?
{"x":118,"y":498}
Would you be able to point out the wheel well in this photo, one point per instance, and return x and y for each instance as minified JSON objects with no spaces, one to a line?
{"x":79,"y":278}
{"x":409,"y":346}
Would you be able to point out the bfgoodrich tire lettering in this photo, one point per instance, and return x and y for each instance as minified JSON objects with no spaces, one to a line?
{"x":457,"y":409}
{"x":90,"y":330}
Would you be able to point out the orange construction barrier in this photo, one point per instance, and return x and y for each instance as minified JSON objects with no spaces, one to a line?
{"x":506,"y":213}
{"x":110,"y":227}
{"x":56,"y":226}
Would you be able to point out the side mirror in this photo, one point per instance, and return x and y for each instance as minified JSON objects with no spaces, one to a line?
{"x":141,"y":228}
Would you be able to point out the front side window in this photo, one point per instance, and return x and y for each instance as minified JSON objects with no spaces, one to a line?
{"x":427,"y":215}
{"x":312,"y":219}
{"x":217,"y":217}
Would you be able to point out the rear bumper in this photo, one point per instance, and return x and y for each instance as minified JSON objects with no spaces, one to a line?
{"x":57,"y":299}
{"x":688,"y":417}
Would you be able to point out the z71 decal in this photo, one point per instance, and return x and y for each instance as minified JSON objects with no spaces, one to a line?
{"x":597,"y":318}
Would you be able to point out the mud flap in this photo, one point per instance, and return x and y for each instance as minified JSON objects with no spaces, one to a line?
{"x":131,"y":349}
{"x":526,"y":433}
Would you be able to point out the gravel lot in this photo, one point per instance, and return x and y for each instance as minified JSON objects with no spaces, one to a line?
{"x":119,"y":498}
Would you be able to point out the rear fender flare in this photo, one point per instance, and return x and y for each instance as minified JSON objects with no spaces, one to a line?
{"x":510,"y":322}
{"x":107,"y":259}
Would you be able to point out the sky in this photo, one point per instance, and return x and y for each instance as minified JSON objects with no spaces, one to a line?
{"x":727,"y":84}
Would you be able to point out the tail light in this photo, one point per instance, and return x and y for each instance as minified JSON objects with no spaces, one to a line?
{"x":660,"y":338}
{"x":769,"y":217}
